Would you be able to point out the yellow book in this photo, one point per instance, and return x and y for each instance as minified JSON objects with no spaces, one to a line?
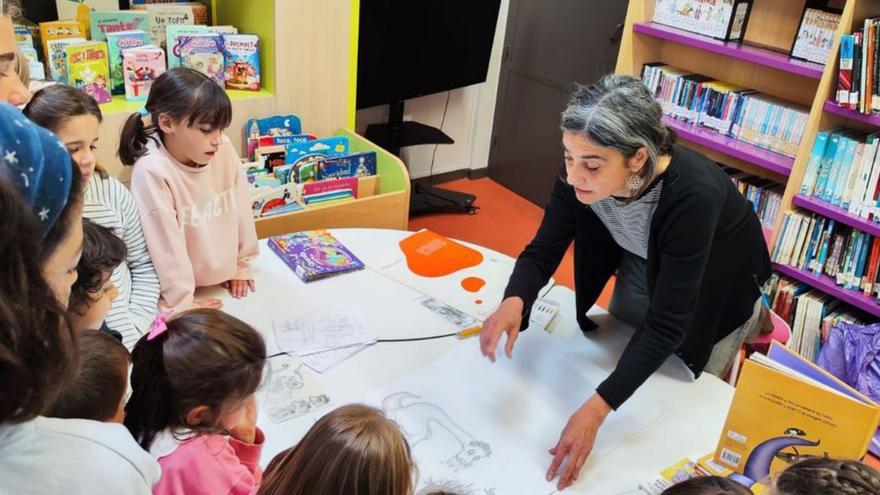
{"x":56,"y":30}
{"x":786,"y":408}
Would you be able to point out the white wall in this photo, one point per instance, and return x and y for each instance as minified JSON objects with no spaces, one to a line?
{"x":468,"y":119}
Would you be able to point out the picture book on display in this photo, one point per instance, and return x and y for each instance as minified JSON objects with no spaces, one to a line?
{"x":786,"y":408}
{"x":56,"y":30}
{"x":204,"y":53}
{"x":277,"y":125}
{"x":88,"y":69}
{"x":172,"y":43}
{"x":80,"y":9}
{"x":163,"y":15}
{"x":56,"y":61}
{"x":314,"y":255}
{"x":103,"y":23}
{"x":242,"y":63}
{"x":140,"y":67}
{"x":116,"y":44}
{"x":354,"y":165}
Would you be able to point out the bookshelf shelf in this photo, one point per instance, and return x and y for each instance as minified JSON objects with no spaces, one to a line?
{"x":870,"y":119}
{"x":766,"y":159}
{"x":827,"y":285}
{"x":760,"y":56}
{"x":837,"y":214}
{"x":121,"y":105}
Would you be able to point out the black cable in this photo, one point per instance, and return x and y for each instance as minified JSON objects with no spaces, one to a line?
{"x":437,"y":145}
{"x":416,"y":339}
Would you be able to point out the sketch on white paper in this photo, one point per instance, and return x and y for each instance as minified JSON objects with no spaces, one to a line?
{"x":309,"y":335}
{"x":421,"y":421}
{"x":457,"y":487}
{"x":447,"y":312}
{"x":290,"y":389}
{"x":323,"y":361}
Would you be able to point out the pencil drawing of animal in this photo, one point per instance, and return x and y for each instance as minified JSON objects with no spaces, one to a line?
{"x":420,"y":420}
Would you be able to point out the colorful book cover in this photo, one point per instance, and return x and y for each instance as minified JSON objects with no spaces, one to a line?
{"x":172,"y":45}
{"x":172,"y":14}
{"x":242,"y":63}
{"x":313,"y":255}
{"x":355,"y":165}
{"x":103,"y":23}
{"x":786,"y":408}
{"x":56,"y":30}
{"x":332,"y":185}
{"x":57,"y":58}
{"x":89,"y":70}
{"x":284,"y":140}
{"x":274,"y":200}
{"x":116,"y":44}
{"x":23,"y":36}
{"x":331,"y":146}
{"x":223,"y":29}
{"x":204,"y":53}
{"x":140,"y":67}
{"x":278,"y":125}
{"x":845,"y":72}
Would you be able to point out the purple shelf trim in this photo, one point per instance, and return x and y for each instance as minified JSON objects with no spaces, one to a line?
{"x":870,"y":119}
{"x":837,"y":214}
{"x":760,"y":56}
{"x":827,"y":285}
{"x":761,"y":157}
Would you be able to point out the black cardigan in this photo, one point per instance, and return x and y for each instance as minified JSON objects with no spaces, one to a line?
{"x":706,"y":261}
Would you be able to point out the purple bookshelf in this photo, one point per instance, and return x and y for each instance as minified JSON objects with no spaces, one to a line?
{"x":837,"y":214}
{"x":766,"y":159}
{"x":760,"y":56}
{"x":827,"y":285}
{"x":865,"y":118}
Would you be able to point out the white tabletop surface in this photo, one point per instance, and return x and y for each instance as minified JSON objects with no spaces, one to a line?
{"x":693,"y":412}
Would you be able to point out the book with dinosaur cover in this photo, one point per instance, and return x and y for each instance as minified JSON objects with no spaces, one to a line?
{"x":786,"y":408}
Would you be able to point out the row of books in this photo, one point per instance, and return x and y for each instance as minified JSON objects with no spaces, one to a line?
{"x":290,"y":169}
{"x":820,"y":246}
{"x":728,"y":109}
{"x":844,"y":170}
{"x":858,"y":81}
{"x":765,"y":194}
{"x":810,"y":314}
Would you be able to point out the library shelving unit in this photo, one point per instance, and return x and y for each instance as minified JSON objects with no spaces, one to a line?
{"x":307,"y":72}
{"x":762,"y":64}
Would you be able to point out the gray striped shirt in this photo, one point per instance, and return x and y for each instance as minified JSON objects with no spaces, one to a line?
{"x":108,"y":203}
{"x":630,"y":223}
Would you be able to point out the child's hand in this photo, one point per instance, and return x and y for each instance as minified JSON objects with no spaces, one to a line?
{"x":246,"y":430}
{"x":240,"y":288}
{"x":208,"y":303}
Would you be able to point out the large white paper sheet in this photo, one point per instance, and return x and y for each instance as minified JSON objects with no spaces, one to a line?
{"x":488,"y":426}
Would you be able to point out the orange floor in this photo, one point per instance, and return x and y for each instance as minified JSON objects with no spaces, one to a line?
{"x":505,"y":222}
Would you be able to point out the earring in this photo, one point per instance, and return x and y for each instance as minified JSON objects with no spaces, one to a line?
{"x":634,"y":182}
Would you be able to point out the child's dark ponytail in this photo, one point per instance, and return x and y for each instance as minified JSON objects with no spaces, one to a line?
{"x":183,"y":94}
{"x":133,"y":140}
{"x":204,"y":358}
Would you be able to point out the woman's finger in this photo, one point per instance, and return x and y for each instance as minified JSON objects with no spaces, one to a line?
{"x":562,"y":450}
{"x":512,"y":335}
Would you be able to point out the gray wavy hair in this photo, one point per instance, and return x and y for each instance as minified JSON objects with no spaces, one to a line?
{"x":10,"y":8}
{"x":618,"y":112}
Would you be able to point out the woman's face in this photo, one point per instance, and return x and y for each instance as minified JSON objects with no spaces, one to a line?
{"x":596,"y":172}
{"x":11,"y":89}
{"x":60,"y":268}
{"x":80,"y":136}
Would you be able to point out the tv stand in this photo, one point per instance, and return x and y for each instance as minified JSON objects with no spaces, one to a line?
{"x":397,"y":134}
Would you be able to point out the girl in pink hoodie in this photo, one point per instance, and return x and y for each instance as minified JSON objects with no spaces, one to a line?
{"x":192,"y":404}
{"x":191,"y":192}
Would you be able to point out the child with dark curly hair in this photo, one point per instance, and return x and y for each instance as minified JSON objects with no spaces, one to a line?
{"x":93,"y":291}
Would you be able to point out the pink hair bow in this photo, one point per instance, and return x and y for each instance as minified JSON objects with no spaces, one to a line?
{"x":159,"y":326}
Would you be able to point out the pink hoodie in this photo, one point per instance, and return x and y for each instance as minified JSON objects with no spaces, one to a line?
{"x":197,"y":221}
{"x":207,"y":464}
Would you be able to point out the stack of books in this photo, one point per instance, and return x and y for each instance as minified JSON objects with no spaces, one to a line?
{"x":764,"y":194}
{"x":844,"y":170}
{"x":858,"y":86}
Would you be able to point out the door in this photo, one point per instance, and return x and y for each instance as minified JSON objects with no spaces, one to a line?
{"x":548,"y":46}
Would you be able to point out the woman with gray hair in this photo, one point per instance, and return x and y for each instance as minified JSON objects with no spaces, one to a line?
{"x":687,"y":248}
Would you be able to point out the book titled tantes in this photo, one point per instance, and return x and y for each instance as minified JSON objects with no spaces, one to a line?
{"x":314,"y":254}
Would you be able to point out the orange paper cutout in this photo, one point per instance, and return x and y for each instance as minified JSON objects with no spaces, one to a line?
{"x":431,"y":255}
{"x":473,"y":284}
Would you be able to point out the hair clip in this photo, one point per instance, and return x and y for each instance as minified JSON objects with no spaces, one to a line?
{"x":159,"y":326}
{"x":144,"y":112}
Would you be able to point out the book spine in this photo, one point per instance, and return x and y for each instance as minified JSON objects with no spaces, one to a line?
{"x":854,"y":171}
{"x":841,"y":178}
{"x":875,"y":87}
{"x":809,"y":250}
{"x":845,"y":73}
{"x":857,"y":72}
{"x":868,"y":280}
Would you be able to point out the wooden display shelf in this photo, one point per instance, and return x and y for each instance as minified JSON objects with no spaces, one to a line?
{"x":383,"y":200}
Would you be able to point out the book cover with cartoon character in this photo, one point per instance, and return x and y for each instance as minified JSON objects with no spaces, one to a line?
{"x":204,"y":53}
{"x":89,"y":70}
{"x":314,"y":254}
{"x":116,"y":44}
{"x":103,"y":23}
{"x":140,"y":67}
{"x":242,"y":61}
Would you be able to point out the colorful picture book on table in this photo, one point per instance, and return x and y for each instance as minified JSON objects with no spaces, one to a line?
{"x":727,"y":109}
{"x":314,"y":255}
{"x":689,"y":468}
{"x":844,"y":171}
{"x":88,"y":69}
{"x":56,"y":61}
{"x":103,"y":23}
{"x":140,"y":67}
{"x":163,"y":15}
{"x":786,"y":408}
{"x":204,"y":53}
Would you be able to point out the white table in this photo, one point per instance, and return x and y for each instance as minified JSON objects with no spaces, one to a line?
{"x":693,"y":411}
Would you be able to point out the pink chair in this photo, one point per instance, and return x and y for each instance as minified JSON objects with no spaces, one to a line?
{"x":781,"y":331}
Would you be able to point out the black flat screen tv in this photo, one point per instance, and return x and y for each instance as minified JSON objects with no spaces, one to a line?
{"x":410,"y":48}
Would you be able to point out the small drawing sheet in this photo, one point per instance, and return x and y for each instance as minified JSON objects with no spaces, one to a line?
{"x":323,"y":361}
{"x":494,"y":270}
{"x":319,"y":333}
{"x":290,"y":390}
{"x":489,"y":426}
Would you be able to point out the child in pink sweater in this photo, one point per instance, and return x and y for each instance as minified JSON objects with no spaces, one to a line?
{"x":192,"y":404}
{"x":190,"y":190}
